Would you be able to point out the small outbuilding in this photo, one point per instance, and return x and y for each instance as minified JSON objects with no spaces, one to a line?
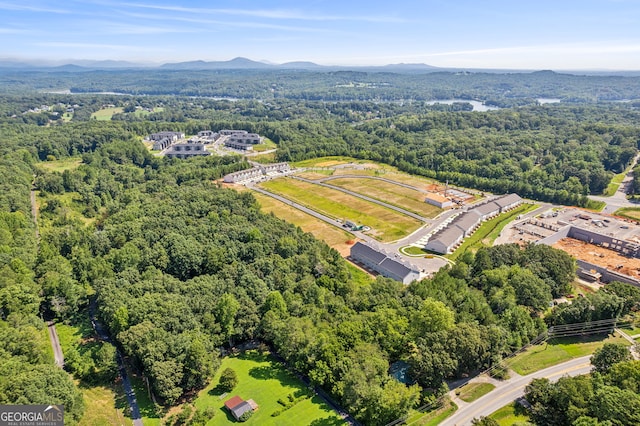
{"x":438,"y":200}
{"x":237,"y":406}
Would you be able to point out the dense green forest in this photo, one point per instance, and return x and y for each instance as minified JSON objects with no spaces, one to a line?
{"x":500,"y":89}
{"x":180,"y":267}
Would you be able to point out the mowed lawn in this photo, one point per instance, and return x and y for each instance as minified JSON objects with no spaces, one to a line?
{"x":386,"y":224}
{"x":105,"y":114}
{"x":557,"y":351}
{"x":333,"y":236}
{"x":400,"y":196}
{"x":265,"y":381}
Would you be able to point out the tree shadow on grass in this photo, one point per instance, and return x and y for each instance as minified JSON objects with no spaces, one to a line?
{"x":219,"y":390}
{"x":329,"y":421}
{"x":267,"y":372}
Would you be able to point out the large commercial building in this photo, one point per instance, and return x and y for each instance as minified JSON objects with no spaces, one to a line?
{"x":382,"y":263}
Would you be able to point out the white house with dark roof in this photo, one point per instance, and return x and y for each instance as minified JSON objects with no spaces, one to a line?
{"x":383,"y":264}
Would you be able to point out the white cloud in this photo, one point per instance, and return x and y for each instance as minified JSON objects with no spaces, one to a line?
{"x":28,"y":8}
{"x":260,"y":13}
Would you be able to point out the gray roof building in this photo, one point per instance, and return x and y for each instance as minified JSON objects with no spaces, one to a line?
{"x":386,"y":266}
{"x":467,"y":222}
{"x":487,"y":210}
{"x":240,"y":409}
{"x":508,"y":202}
{"x":445,"y":240}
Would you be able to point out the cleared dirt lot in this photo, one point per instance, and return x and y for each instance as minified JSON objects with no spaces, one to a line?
{"x":600,"y":256}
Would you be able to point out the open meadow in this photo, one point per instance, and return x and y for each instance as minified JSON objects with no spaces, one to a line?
{"x":334,"y":237}
{"x":387,"y":225}
{"x":400,"y":196}
{"x":263,"y":379}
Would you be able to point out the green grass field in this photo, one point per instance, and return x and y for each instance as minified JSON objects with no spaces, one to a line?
{"x":486,"y":234}
{"x":265,"y":381}
{"x":105,"y":114}
{"x":334,"y":237}
{"x":632,"y":213}
{"x":60,"y":165}
{"x":557,"y":351}
{"x":509,"y":414}
{"x":615,"y":183}
{"x":434,"y":417}
{"x":399,"y":196}
{"x":266,"y":145}
{"x":472,"y":391}
{"x":325,"y":161}
{"x":386,"y":224}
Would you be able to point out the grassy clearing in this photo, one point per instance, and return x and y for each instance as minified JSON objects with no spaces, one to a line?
{"x":71,"y":207}
{"x":632,"y":213}
{"x":486,"y":234}
{"x":596,"y":206}
{"x":105,"y":114}
{"x":509,"y":415}
{"x":359,"y":277}
{"x":104,"y":404}
{"x":472,"y":391}
{"x":334,"y":237}
{"x":264,"y":158}
{"x":615,"y":183}
{"x":400,"y":196}
{"x":386,"y":224}
{"x":67,"y":117}
{"x":265,"y":381}
{"x":324,"y":161}
{"x":316,"y":174}
{"x":557,"y":351}
{"x":266,"y":145}
{"x":61,"y":165}
{"x":434,"y":417}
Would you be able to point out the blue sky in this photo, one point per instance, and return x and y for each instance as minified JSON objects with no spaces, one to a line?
{"x":517,"y":34}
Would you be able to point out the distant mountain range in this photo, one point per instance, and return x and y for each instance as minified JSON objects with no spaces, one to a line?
{"x":248,"y":64}
{"x":236,"y":63}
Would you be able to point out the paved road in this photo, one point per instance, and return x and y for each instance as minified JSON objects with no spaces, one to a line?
{"x":55,"y":343}
{"x":511,"y":389}
{"x":619,"y":199}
